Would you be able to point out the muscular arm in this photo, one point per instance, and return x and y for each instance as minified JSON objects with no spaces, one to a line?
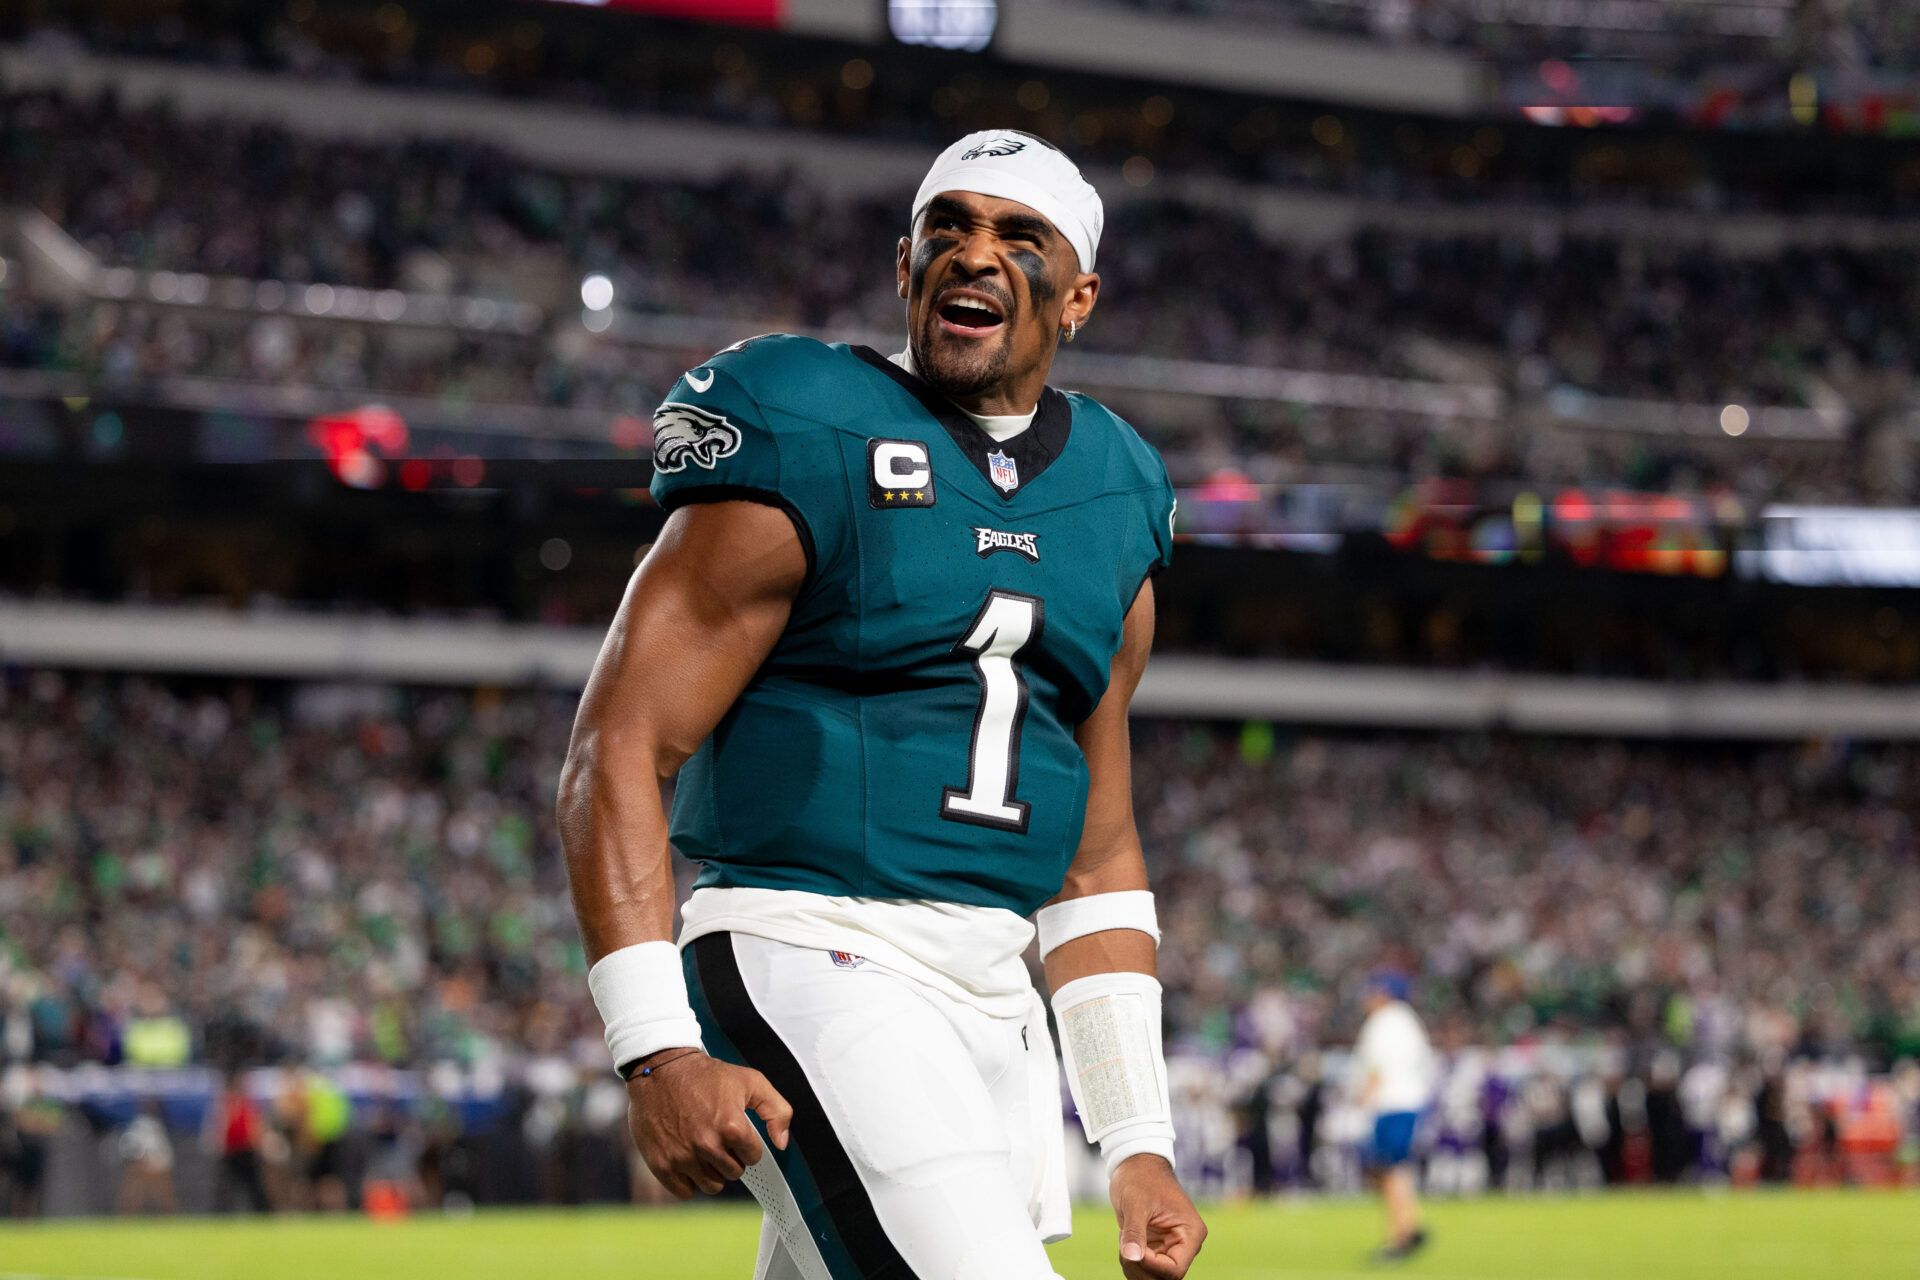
{"x":700,"y":615}
{"x":1109,"y":858}
{"x":1160,"y":1231}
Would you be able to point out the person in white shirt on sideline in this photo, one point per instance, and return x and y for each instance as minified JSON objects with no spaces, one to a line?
{"x":1393,"y":1081}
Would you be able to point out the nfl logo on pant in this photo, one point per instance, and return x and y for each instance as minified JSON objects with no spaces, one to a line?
{"x":846,"y":959}
{"x":1001,"y":471}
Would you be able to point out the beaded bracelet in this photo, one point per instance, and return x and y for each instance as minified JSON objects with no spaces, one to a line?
{"x":629,"y":1071}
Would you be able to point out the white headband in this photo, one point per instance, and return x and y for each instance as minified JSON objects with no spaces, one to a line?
{"x":1019,"y":166}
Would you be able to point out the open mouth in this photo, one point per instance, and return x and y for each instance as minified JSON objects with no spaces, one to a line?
{"x":969,"y":314}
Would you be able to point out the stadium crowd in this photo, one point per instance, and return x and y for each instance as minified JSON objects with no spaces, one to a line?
{"x":1534,"y":319}
{"x":131,"y":350}
{"x":746,"y":78}
{"x":321,"y":875}
{"x":1848,"y":33}
{"x":1623,"y":317}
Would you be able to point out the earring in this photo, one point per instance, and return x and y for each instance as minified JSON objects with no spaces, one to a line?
{"x":1072,"y":329}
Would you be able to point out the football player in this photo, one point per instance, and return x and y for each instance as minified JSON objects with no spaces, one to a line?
{"x":885,"y":645}
{"x":1393,"y":1068}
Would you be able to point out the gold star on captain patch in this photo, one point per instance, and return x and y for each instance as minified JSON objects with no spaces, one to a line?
{"x":889,"y":497}
{"x":921,"y":494}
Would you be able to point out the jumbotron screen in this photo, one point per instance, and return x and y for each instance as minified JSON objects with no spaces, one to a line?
{"x":746,"y":13}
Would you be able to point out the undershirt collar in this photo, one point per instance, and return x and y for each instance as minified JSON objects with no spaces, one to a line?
{"x":1002,"y":427}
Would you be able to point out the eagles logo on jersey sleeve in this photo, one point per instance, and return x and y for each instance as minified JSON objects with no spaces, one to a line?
{"x":728,"y":432}
{"x":711,"y":436}
{"x":685,"y":435}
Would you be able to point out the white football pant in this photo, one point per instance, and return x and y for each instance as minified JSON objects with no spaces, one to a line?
{"x":927,"y":1141}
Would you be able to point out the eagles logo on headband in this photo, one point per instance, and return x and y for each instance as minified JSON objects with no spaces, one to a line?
{"x":1018,"y":166}
{"x":1003,"y":147}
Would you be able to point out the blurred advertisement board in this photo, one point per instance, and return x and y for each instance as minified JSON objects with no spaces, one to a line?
{"x":1740,"y":95}
{"x":1479,"y":522}
{"x":1835,"y":546}
{"x":966,"y":25}
{"x":413,"y":444}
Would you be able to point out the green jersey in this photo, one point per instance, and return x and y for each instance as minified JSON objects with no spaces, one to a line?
{"x":911,"y":734}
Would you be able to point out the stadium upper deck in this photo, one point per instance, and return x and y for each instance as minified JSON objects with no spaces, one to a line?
{"x":1878,"y":33}
{"x":1469,"y":353}
{"x":1311,"y":135}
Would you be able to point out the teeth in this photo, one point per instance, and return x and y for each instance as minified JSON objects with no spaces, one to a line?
{"x":975,"y":304}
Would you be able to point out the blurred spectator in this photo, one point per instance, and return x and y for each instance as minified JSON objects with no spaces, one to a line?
{"x":29,"y":1119}
{"x":146,"y":1163}
{"x":238,"y":1130}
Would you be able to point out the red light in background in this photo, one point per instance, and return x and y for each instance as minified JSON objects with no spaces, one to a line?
{"x":344,"y":439}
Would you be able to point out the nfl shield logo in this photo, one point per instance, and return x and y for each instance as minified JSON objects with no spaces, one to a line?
{"x":1001,"y":471}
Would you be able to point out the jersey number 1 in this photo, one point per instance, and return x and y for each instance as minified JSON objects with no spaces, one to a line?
{"x":1006,"y":624}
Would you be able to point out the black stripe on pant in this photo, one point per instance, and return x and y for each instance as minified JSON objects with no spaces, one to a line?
{"x":813,"y":1138}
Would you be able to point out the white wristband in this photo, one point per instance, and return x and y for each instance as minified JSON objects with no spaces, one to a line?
{"x":642,"y":997}
{"x":1097,"y":912}
{"x":1110,"y":1038}
{"x":1120,"y":1147}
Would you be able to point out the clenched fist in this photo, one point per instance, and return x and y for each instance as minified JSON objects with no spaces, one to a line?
{"x":689,"y":1119}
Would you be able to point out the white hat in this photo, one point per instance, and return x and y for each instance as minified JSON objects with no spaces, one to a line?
{"x":1018,"y":166}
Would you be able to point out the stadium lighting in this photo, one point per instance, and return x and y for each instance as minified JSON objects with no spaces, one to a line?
{"x":1734,"y":419}
{"x":596,"y":292}
{"x":944,"y":24}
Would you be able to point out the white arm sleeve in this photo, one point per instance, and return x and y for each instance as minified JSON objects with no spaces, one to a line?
{"x":1116,"y":1071}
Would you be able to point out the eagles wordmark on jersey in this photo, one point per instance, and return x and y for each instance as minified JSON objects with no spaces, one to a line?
{"x":911,"y":734}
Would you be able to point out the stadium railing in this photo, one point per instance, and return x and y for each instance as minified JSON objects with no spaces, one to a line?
{"x":306,"y":645}
{"x":61,"y":266}
{"x":520,"y":1132}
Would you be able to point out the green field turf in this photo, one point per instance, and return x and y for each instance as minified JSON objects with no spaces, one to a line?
{"x":1745,"y":1236}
